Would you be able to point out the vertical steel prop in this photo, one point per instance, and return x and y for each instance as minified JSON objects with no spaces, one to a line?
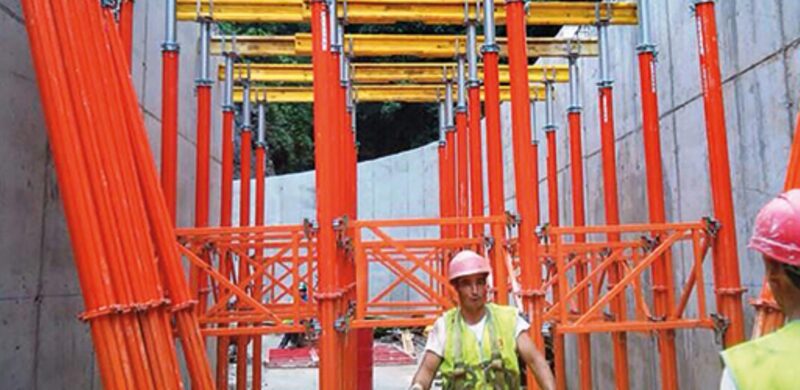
{"x":532,"y":294}
{"x":662,"y":270}
{"x":462,"y":167}
{"x":245,"y":155}
{"x":442,"y":151}
{"x":169,"y":110}
{"x":725,"y":258}
{"x":552,"y":199}
{"x":203,"y":154}
{"x":610,"y":192}
{"x":494,"y":149}
{"x":226,"y":195}
{"x":325,"y":163}
{"x":261,"y":179}
{"x":474,"y":118}
{"x":451,"y":152}
{"x":574,"y":113}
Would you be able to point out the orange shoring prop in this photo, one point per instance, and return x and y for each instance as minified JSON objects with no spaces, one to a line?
{"x":533,"y":297}
{"x":129,"y":228}
{"x":261,"y":178}
{"x":125,"y":26}
{"x":163,"y":233}
{"x":462,"y":168}
{"x":324,"y":151}
{"x":727,"y":280}
{"x":443,"y":178}
{"x":662,"y":270}
{"x":769,"y":317}
{"x":611,"y":197}
{"x":170,"y":52}
{"x":226,"y":202}
{"x":79,"y":207}
{"x":451,"y":159}
{"x":474,"y":136}
{"x":203,"y":85}
{"x":579,"y":214}
{"x":93,"y":53}
{"x":245,"y":155}
{"x":494,"y":152}
{"x":552,"y":199}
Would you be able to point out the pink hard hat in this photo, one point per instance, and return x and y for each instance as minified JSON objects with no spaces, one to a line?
{"x":777,"y":230}
{"x":467,"y":263}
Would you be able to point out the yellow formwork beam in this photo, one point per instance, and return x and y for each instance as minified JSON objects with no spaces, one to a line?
{"x":413,"y":45}
{"x":442,"y":12}
{"x":371,"y":93}
{"x":386,"y":73}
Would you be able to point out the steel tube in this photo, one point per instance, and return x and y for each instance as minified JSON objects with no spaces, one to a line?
{"x":325,"y":155}
{"x":611,"y":197}
{"x":494,"y":150}
{"x":527,"y":192}
{"x":727,"y":279}
{"x":245,"y":153}
{"x":663,"y":295}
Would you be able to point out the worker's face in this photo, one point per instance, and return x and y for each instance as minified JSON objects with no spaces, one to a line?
{"x":471,"y":291}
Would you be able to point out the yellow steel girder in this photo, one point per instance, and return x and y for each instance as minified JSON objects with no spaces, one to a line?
{"x":386,"y":73}
{"x":414,"y":45}
{"x":450,"y":12}
{"x":370,"y":93}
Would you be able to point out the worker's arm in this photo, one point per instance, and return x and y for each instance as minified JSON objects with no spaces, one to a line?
{"x":535,"y":361}
{"x":426,"y":371}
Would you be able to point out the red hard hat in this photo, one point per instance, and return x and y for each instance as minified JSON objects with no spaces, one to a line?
{"x":777,"y":230}
{"x":467,"y":263}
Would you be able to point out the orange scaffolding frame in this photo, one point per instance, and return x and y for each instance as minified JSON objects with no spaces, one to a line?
{"x":247,"y":278}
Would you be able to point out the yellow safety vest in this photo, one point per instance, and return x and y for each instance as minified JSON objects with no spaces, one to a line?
{"x":769,"y":362}
{"x":492,"y":365}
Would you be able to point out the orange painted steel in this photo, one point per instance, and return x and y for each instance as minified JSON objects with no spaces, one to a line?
{"x":202,"y":181}
{"x":579,"y":220}
{"x":662,"y":275}
{"x":125,"y":25}
{"x":226,"y":208}
{"x":769,"y":317}
{"x":415,"y":261}
{"x":451,"y":180}
{"x":494,"y":161}
{"x":552,"y":197}
{"x":462,"y":169}
{"x":526,"y":189}
{"x":611,"y":202}
{"x":261,"y":178}
{"x":169,"y":129}
{"x":475,"y":158}
{"x":245,"y":153}
{"x":325,"y":162}
{"x":726,"y":262}
{"x":117,"y":215}
{"x":634,"y":255}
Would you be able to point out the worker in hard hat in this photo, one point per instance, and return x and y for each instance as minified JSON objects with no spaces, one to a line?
{"x":295,"y":339}
{"x":475,"y":345}
{"x":769,"y":362}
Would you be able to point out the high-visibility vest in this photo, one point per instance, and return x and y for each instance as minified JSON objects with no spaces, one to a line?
{"x":493,"y":364}
{"x":769,"y":362}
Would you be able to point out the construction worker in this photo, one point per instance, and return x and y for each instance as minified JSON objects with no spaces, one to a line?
{"x":769,"y":362}
{"x":475,"y":345}
{"x":295,"y":339}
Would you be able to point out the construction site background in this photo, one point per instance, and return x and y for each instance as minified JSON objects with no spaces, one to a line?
{"x":43,"y":345}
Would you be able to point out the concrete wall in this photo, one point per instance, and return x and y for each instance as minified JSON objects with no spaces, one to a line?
{"x":42,"y":344}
